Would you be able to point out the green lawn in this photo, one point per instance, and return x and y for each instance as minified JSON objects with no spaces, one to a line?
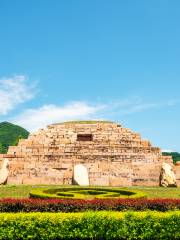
{"x":160,"y":192}
{"x":22,"y":191}
{"x":12,"y":191}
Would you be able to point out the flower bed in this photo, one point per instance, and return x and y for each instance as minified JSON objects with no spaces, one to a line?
{"x":85,"y":193}
{"x":90,"y":225}
{"x":73,"y":205}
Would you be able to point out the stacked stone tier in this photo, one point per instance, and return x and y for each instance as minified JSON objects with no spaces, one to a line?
{"x":116,"y":156}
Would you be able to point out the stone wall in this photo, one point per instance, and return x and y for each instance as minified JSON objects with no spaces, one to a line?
{"x":115,"y":157}
{"x":177,"y":173}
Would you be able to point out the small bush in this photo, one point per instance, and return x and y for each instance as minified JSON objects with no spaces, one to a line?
{"x":65,"y":194}
{"x":74,"y":205}
{"x":90,"y":225}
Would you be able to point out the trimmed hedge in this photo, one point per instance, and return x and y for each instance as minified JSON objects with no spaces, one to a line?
{"x":85,"y":193}
{"x":90,"y":225}
{"x":74,"y":205}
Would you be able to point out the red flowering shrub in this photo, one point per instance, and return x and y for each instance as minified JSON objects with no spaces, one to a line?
{"x":70,"y":205}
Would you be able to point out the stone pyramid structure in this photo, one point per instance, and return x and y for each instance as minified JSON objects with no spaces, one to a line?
{"x":112,"y":155}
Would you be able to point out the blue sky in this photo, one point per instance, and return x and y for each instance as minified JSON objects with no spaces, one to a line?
{"x":93,"y":59}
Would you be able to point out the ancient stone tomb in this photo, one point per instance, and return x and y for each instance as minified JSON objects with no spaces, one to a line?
{"x":109,"y":155}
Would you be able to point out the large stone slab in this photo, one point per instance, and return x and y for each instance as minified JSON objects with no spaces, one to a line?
{"x":80,"y":176}
{"x":167,"y":177}
{"x":4,"y":171}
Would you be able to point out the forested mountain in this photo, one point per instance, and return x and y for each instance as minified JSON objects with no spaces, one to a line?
{"x":10,"y":135}
{"x":175,"y":156}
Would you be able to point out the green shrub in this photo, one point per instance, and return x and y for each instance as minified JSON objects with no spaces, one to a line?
{"x":85,"y":193}
{"x":90,"y":225}
{"x":65,"y":194}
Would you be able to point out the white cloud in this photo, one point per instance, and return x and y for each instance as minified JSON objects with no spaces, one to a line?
{"x":14,"y":91}
{"x":132,"y":105}
{"x":33,"y":119}
{"x":168,"y":150}
{"x":135,"y":104}
{"x":173,"y":102}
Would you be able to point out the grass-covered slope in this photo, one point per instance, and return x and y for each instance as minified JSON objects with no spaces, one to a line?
{"x":10,"y":135}
{"x":82,"y":122}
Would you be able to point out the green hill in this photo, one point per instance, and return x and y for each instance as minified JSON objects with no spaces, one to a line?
{"x":10,"y":135}
{"x":175,"y":156}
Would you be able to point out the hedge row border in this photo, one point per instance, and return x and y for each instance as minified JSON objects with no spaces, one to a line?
{"x":74,"y":205}
{"x":90,"y":225}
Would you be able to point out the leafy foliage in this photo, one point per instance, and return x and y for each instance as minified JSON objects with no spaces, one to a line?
{"x":90,"y":225}
{"x":85,"y":193}
{"x":71,"y":205}
{"x":10,"y":135}
{"x":175,"y":155}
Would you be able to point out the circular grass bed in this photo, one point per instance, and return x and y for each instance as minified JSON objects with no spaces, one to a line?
{"x":85,"y":193}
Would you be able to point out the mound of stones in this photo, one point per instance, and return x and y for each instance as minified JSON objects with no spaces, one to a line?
{"x":109,"y":155}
